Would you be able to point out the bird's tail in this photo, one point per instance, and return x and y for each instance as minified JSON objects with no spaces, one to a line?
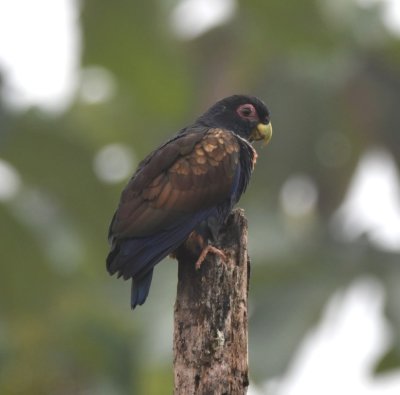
{"x":140,"y":289}
{"x":136,"y":257}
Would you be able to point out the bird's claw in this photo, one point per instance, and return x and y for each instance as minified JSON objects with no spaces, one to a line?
{"x":204,"y":253}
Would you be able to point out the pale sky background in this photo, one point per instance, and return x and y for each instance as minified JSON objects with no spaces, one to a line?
{"x":42,"y":69}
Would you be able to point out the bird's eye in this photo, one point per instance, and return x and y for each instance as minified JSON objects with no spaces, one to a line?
{"x":247,"y":111}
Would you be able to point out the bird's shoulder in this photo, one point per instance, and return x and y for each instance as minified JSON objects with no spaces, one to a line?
{"x":192,"y":172}
{"x":194,"y":151}
{"x":216,"y":147}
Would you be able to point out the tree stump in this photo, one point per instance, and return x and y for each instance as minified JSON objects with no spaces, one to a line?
{"x":210,"y":317}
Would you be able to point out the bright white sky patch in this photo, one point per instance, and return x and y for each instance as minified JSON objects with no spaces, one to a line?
{"x":39,"y":51}
{"x":390,"y":13}
{"x":337,"y":357}
{"x":391,"y":16}
{"x":192,"y":18}
{"x":372,"y":203}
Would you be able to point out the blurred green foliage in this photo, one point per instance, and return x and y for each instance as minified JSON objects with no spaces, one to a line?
{"x":322,"y":66}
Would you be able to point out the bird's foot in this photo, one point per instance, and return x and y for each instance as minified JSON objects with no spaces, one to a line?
{"x":204,"y":253}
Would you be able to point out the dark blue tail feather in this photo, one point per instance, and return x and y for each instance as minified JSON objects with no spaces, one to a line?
{"x":140,"y":289}
{"x":136,"y":257}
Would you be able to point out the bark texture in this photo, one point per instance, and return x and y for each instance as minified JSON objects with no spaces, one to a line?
{"x":210,"y":317}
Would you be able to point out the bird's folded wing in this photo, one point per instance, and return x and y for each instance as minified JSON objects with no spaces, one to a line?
{"x":188,"y":174}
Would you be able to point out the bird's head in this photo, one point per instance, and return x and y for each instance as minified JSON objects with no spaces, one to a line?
{"x":244,"y":115}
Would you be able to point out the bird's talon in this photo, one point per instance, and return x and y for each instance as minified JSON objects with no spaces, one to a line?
{"x":204,"y":253}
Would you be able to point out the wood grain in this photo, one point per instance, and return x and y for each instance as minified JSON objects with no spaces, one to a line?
{"x":210,"y":317}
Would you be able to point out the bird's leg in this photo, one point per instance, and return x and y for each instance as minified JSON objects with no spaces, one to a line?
{"x":205,"y":251}
{"x":196,"y":242}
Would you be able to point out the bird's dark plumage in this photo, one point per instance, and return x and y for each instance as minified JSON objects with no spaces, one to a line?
{"x":188,"y":184}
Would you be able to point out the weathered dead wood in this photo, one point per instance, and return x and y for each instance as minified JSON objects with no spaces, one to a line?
{"x":210,"y":318}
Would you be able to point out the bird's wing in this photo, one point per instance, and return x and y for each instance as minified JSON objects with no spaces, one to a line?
{"x":190,"y":173}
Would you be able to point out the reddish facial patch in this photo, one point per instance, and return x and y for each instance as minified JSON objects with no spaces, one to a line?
{"x":247,"y":111}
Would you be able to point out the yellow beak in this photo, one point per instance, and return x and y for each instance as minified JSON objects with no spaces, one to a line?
{"x":262,"y":132}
